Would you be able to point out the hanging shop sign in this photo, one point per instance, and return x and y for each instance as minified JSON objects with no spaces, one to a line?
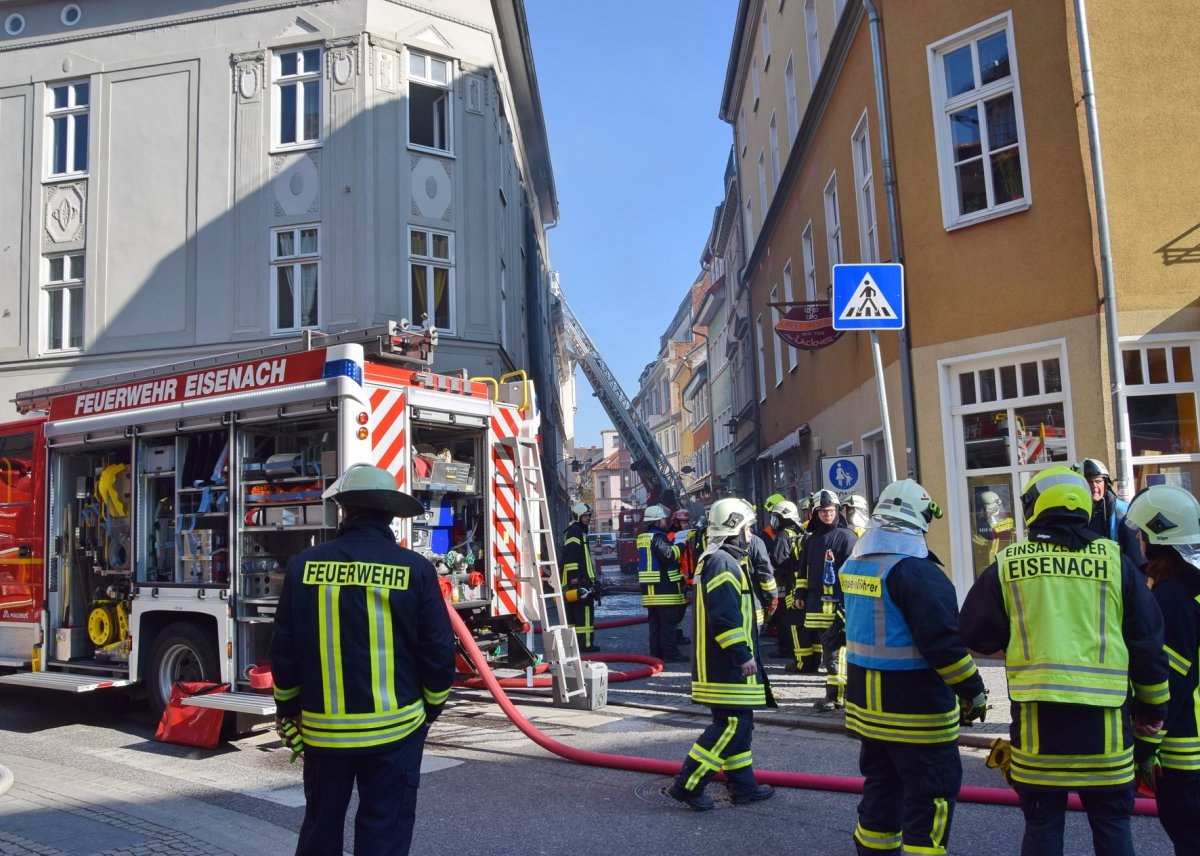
{"x":808,"y":326}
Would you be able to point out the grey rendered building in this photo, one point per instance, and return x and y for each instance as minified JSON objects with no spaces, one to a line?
{"x":190,"y":177}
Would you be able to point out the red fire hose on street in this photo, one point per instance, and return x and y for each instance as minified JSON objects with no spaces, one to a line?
{"x":808,"y":781}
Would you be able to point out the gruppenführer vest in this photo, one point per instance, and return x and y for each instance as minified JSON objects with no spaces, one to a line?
{"x":1065,"y":611}
{"x":877,"y":636}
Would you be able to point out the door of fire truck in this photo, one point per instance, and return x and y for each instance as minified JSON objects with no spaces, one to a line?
{"x":21,"y":541}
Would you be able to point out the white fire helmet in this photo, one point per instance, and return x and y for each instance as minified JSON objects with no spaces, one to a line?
{"x":656,"y":512}
{"x":908,"y":504}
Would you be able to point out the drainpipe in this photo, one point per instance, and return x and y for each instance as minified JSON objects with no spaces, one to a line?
{"x":1112,"y":337}
{"x":893,"y":216}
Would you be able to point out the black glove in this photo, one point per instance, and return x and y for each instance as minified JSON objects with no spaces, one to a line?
{"x":432,"y":712}
{"x":974,"y":709}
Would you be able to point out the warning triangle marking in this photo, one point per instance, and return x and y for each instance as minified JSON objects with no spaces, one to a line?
{"x":867,"y":302}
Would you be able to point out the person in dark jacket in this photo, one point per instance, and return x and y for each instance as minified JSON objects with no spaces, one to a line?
{"x":1083,"y":650}
{"x":1109,"y":510}
{"x":1167,"y":519}
{"x":363,"y":660}
{"x":907,"y":671}
{"x":661,"y":583}
{"x":797,"y":643}
{"x":824,"y":551}
{"x":579,"y":577}
{"x":727,"y":672}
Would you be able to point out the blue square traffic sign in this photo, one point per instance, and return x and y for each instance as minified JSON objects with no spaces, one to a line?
{"x":868,"y":297}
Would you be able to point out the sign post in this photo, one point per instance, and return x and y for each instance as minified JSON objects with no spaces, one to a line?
{"x":871,"y":297}
{"x":846,"y":475}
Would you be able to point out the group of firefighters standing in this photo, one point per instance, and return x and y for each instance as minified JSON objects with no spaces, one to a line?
{"x":1097,"y":622}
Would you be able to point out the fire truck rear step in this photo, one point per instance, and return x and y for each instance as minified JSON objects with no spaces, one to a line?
{"x":63,"y":681}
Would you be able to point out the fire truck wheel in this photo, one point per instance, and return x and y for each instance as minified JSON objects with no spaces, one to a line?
{"x":182,"y":652}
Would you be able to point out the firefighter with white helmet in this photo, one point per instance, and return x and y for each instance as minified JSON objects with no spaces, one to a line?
{"x":793,"y":641}
{"x":857,"y":513}
{"x":370,"y":612}
{"x":1083,"y":650}
{"x":1167,"y":520}
{"x":661,"y":582}
{"x":727,"y":672}
{"x":579,"y":577}
{"x":906,"y":669}
{"x":818,"y":592}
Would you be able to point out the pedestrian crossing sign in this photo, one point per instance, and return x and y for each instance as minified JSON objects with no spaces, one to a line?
{"x":868,"y":297}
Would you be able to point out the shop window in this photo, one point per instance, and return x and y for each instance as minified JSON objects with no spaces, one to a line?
{"x":1161,"y":407}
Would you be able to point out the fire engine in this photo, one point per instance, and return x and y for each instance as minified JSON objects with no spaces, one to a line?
{"x":147,"y":518}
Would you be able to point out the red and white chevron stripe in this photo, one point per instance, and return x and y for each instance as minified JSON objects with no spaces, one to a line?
{"x":506,"y":515}
{"x":389,"y":432}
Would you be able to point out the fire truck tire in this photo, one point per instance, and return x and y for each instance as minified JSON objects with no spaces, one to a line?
{"x":182,"y":652}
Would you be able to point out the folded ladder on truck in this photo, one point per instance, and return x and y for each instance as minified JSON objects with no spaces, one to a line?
{"x":540,"y":574}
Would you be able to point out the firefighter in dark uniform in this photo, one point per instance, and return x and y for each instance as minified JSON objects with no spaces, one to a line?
{"x":793,"y":640}
{"x":1083,"y":649}
{"x":363,"y":660}
{"x":1168,"y":520}
{"x":682,"y":534}
{"x":661,"y":583}
{"x":762,"y":575}
{"x":579,"y":577}
{"x":907,"y":671}
{"x":825,"y":550}
{"x":727,"y":673}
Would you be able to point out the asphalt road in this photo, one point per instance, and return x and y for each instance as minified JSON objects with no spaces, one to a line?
{"x":89,"y":779}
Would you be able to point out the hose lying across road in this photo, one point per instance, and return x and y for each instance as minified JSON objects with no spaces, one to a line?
{"x":808,"y":781}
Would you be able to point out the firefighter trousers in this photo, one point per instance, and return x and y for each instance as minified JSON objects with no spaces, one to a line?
{"x":908,"y":796}
{"x":1179,"y":809}
{"x":833,"y":660}
{"x":580,"y":616}
{"x":387,"y":798}
{"x":663,"y":620}
{"x":1108,"y":813}
{"x":723,"y":745}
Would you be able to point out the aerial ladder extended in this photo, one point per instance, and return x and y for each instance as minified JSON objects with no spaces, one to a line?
{"x":662,"y":482}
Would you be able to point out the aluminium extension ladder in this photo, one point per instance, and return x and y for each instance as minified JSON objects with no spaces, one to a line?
{"x":539,"y":576}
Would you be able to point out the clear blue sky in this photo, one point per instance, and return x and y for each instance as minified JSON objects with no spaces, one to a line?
{"x":631,"y":93}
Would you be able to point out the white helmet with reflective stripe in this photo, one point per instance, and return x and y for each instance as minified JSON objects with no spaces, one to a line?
{"x":908,"y":504}
{"x":579,"y":509}
{"x":787,"y":510}
{"x":729,"y":516}
{"x":656,"y":512}
{"x":1170,"y":516}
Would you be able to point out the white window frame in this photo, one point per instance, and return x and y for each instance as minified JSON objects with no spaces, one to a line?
{"x":762,"y":361}
{"x":742,"y":130}
{"x":433,"y":263}
{"x":430,"y":81}
{"x":833,"y":224}
{"x":774,"y":143}
{"x":297,"y":261}
{"x":864,"y":183}
{"x":300,"y":80}
{"x":958,"y":498}
{"x":776,"y":342}
{"x":67,"y":286}
{"x":943,"y":108}
{"x":766,"y":41}
{"x":873,"y":446}
{"x":70,"y":115}
{"x":812,"y":42}
{"x":789,"y":91}
{"x":808,"y":251}
{"x":503,"y":304}
{"x":754,"y":83}
{"x":789,"y":296}
{"x":762,"y":184}
{"x":1171,"y":386}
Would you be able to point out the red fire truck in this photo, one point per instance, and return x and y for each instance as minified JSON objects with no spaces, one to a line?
{"x":146,"y":518}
